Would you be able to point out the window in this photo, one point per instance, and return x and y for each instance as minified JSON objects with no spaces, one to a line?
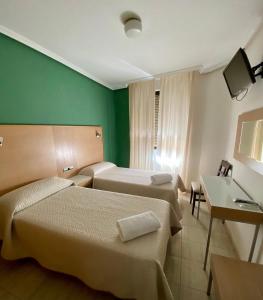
{"x":156,"y":116}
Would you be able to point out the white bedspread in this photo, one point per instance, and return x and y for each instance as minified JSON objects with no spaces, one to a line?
{"x":138,"y":182}
{"x":74,"y":231}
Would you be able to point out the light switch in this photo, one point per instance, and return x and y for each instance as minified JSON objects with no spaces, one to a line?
{"x":1,"y":141}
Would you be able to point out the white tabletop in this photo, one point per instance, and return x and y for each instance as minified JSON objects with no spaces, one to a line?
{"x":222,"y":190}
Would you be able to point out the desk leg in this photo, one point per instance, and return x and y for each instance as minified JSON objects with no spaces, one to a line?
{"x":208,"y":241}
{"x":253,"y":243}
{"x":199,"y":197}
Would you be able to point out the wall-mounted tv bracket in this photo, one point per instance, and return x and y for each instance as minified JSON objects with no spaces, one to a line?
{"x":255,"y":69}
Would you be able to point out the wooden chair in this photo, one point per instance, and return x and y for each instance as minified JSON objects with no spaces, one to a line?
{"x":235,"y":279}
{"x":224,"y":169}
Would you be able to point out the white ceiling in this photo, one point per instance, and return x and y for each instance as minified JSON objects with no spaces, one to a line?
{"x":88,"y":35}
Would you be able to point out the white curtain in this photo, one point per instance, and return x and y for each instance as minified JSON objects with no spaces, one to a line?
{"x":173,"y":123}
{"x":141,"y":105}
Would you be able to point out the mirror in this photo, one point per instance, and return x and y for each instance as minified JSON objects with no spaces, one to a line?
{"x":249,"y":139}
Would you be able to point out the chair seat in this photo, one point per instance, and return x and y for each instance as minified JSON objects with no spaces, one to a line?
{"x":195,"y":186}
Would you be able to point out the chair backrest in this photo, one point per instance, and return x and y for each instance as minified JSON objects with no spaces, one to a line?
{"x":224,"y":168}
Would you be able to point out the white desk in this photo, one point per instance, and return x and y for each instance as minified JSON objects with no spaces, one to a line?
{"x":219,"y":193}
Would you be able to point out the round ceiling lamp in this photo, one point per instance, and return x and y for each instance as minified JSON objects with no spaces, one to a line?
{"x":133,"y":27}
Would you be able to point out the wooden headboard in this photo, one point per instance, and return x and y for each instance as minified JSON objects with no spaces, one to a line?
{"x":32,"y":152}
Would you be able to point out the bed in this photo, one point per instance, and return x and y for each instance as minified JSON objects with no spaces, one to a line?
{"x":73,"y":230}
{"x":107,"y":176}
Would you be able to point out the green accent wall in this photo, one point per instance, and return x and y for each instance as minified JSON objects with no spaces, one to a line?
{"x":121,"y":98}
{"x":35,"y":89}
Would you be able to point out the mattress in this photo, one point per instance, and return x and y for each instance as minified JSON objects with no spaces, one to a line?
{"x":138,"y":182}
{"x":74,"y":231}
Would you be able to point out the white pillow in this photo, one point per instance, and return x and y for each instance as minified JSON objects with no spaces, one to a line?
{"x":26,"y":196}
{"x":31,"y":193}
{"x":95,"y":169}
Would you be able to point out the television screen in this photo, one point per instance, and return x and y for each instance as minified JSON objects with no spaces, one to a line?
{"x":238,"y":74}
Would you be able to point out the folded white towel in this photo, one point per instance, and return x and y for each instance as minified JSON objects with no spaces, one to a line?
{"x":161,"y":178}
{"x":137,"y":225}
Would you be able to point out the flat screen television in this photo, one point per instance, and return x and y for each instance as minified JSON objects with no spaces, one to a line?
{"x":238,"y":74}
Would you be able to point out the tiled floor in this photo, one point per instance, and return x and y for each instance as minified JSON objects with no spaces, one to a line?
{"x":25,"y":279}
{"x":184,"y":264}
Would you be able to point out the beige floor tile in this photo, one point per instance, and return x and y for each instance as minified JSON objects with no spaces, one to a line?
{"x":82,"y":292}
{"x":172,"y":269}
{"x":173,"y":274}
{"x":175,"y":245}
{"x":193,"y":294}
{"x":193,"y":251}
{"x":204,"y":218}
{"x":176,"y":291}
{"x":177,"y":236}
{"x":184,"y":199}
{"x":201,"y":224}
{"x":185,"y":204}
{"x":193,"y":276}
{"x":59,"y":286}
{"x":189,"y":220}
{"x":4,"y":295}
{"x":194,"y":234}
{"x":102,"y":296}
{"x":184,"y":208}
{"x":227,"y":251}
{"x":203,"y":208}
{"x":23,"y":277}
{"x":221,"y":240}
{"x":218,"y":226}
{"x":194,"y":237}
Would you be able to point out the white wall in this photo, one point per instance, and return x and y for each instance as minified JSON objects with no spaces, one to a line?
{"x":216,"y":122}
{"x":216,"y":116}
{"x":212,"y":107}
{"x":250,"y":180}
{"x":210,"y":117}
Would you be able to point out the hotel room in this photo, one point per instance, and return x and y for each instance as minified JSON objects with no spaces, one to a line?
{"x":131,"y":150}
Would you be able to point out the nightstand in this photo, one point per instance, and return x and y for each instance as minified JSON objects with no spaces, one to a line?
{"x":82,"y":180}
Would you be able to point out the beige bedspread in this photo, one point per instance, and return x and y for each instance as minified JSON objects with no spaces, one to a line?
{"x":138,"y":182}
{"x":74,"y":231}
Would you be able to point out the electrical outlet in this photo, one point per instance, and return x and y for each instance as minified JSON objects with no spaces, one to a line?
{"x":1,"y":141}
{"x":68,"y":169}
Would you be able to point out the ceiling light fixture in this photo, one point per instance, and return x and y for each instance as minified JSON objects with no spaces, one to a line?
{"x":133,"y":27}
